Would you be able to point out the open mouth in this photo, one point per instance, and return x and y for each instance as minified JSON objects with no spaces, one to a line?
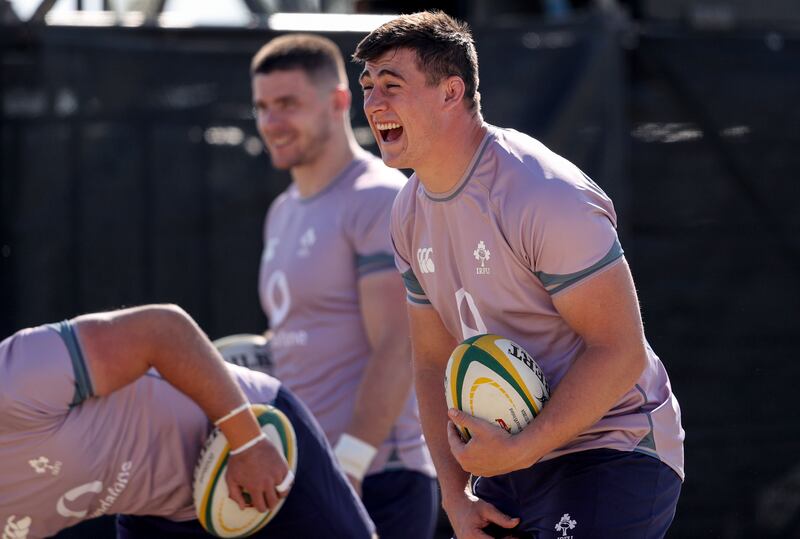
{"x":389,"y":131}
{"x":279,"y":141}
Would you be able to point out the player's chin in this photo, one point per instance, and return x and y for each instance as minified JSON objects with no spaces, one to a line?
{"x":282,"y":163}
{"x":393,"y":158}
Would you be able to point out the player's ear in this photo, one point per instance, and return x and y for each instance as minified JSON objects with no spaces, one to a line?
{"x":342,"y":98}
{"x":454,"y":89}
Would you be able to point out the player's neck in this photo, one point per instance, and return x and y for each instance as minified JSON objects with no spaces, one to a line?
{"x":313,"y":177}
{"x":450,"y":158}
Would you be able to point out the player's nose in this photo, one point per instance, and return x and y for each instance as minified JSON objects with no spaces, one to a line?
{"x":267,"y":121}
{"x":374,"y":102}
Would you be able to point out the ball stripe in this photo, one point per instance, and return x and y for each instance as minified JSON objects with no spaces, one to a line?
{"x":205,"y":521}
{"x":474,"y":338}
{"x":211,"y":487}
{"x":490,"y":341}
{"x":453,"y":375}
{"x":500,"y":365}
{"x":479,"y":382}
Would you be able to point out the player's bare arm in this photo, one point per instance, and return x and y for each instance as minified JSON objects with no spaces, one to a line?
{"x":604,"y":311}
{"x":387,"y":379}
{"x":432,"y":345}
{"x":121,"y":346}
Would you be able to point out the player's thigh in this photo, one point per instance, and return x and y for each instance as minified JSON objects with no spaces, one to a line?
{"x":402,"y":503}
{"x":600,"y":494}
{"x":321,"y":502}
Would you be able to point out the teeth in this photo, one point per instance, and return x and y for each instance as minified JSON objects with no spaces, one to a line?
{"x":280,"y":141}
{"x":386,"y":126}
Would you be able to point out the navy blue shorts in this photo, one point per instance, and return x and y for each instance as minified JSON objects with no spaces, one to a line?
{"x":402,"y":504}
{"x":321,"y":503}
{"x":596,"y":494}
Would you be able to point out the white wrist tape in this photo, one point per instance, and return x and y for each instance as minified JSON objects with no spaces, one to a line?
{"x":283,"y":488}
{"x":354,"y":455}
{"x":236,"y":411}
{"x":244,"y":447}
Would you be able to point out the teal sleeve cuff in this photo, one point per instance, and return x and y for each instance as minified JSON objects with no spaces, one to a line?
{"x":83,"y":383}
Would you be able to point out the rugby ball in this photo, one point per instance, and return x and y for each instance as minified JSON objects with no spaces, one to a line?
{"x":495,"y":379}
{"x":219,"y":514}
{"x":247,"y":350}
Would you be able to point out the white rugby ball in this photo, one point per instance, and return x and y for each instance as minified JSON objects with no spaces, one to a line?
{"x":495,"y":379}
{"x":247,"y":350}
{"x":219,"y":514}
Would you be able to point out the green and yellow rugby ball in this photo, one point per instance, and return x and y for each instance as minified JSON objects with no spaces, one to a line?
{"x":218,"y":514}
{"x":495,"y":379}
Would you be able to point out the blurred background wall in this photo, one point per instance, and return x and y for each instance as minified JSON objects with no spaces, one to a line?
{"x":131,"y":172}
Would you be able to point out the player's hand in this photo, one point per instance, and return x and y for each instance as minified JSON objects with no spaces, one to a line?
{"x":259,"y":472}
{"x":479,"y":456}
{"x":469,"y":515}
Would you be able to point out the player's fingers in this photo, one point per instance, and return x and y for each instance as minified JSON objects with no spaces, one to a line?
{"x":467,"y":421}
{"x":235,"y":494}
{"x":271,"y":497}
{"x":282,"y":488}
{"x":257,"y":501}
{"x":455,"y":441}
{"x":457,"y":417}
{"x":493,"y":514}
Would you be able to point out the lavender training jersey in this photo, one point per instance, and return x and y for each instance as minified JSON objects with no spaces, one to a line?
{"x":67,"y":456}
{"x":316,"y":250}
{"x":521,"y":226}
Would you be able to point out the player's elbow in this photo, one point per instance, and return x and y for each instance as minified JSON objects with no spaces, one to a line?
{"x":635,"y":360}
{"x":168,"y":318}
{"x":627,"y":359}
{"x":167,"y":311}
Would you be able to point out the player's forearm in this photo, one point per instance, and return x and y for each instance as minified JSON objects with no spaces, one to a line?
{"x":383,"y":392}
{"x":187,"y":360}
{"x":592,"y":386}
{"x":214,"y":390}
{"x":429,"y":382}
{"x":432,"y":344}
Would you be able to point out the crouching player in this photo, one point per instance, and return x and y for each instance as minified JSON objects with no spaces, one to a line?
{"x":107,"y":414}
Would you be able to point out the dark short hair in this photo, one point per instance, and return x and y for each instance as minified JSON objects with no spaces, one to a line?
{"x":443,"y":45}
{"x":317,"y":56}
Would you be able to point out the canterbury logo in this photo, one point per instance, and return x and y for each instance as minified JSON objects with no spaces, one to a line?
{"x":425,"y":261}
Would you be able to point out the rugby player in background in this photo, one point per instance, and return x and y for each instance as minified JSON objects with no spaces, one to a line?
{"x":328,"y":285}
